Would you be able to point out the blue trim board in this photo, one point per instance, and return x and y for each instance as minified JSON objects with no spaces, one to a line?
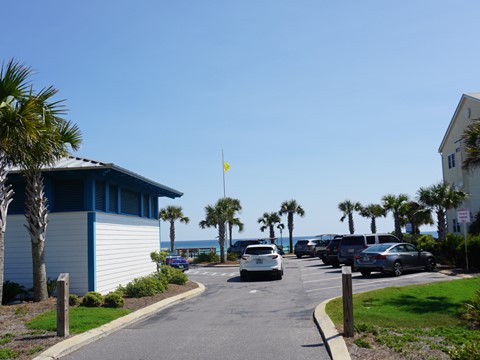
{"x":92,"y":260}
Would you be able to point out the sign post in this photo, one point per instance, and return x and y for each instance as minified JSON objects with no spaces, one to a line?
{"x":463,"y":215}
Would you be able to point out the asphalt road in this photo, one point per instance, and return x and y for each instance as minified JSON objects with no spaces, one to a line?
{"x":261,"y":319}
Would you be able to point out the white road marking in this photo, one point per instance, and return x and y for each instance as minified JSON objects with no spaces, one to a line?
{"x":253,"y":291}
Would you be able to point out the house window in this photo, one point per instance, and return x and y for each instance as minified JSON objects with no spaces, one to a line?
{"x":451,"y":161}
{"x":113,"y":199}
{"x":68,"y":195}
{"x":100,"y":196}
{"x":456,"y":226}
{"x":130,"y":201}
{"x":146,"y":206}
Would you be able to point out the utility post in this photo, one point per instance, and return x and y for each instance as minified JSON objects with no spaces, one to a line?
{"x":63,"y":294}
{"x":347,"y":301}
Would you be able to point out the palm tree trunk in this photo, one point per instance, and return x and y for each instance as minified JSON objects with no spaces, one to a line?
{"x":221,"y":241}
{"x":272,"y":234}
{"x":398,"y":228}
{"x":290,"y":232}
{"x":172,"y":236}
{"x":37,"y":220}
{"x":373,"y":225}
{"x":6,"y":197}
{"x":351,"y":225}
{"x":230,"y":231}
{"x":441,"y":225}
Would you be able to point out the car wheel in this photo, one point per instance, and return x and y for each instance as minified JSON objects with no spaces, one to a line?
{"x":397,"y":268}
{"x":365,"y":273}
{"x":430,"y":264}
{"x":279,"y":275}
{"x":335,"y":264}
{"x":299,"y":256}
{"x":243,"y":276}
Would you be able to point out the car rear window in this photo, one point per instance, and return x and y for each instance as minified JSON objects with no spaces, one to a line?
{"x":377,"y":248}
{"x":259,"y":251}
{"x":353,"y":240}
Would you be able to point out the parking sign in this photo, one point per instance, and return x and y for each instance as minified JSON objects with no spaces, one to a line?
{"x":463,"y":215}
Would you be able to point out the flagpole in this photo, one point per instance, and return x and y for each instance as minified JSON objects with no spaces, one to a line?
{"x":223,"y":171}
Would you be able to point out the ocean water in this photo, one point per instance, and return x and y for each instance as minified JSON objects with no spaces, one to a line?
{"x":182,"y":244}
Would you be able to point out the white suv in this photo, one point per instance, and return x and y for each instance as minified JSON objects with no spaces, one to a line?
{"x":261,"y":259}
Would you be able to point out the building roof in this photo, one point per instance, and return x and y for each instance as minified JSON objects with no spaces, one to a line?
{"x":70,"y":163}
{"x":471,"y":96}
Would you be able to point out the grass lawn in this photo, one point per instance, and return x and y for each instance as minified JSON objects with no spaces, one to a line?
{"x":81,"y":319}
{"x":406,"y":317}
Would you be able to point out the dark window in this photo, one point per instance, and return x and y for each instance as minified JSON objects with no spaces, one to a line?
{"x":456,"y":226}
{"x":146,"y":206}
{"x":100,"y":196}
{"x":113,"y":199}
{"x":130,"y":201}
{"x":17,"y":206}
{"x":370,"y":240}
{"x":451,"y":161}
{"x":382,"y":239}
{"x":68,"y":195}
{"x":353,"y":240}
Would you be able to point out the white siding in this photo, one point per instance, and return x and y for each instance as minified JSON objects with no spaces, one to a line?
{"x":65,"y":250}
{"x":123,"y":247}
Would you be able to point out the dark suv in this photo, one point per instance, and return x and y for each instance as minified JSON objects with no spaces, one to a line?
{"x":331,"y":252}
{"x":351,"y":245}
{"x":320,"y":248}
{"x":239,"y":246}
{"x":305,"y":247}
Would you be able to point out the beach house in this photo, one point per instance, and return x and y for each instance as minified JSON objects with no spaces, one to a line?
{"x":452,"y":151}
{"x":103,"y":224}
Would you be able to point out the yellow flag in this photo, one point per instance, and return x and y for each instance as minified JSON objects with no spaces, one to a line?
{"x":226,"y":166}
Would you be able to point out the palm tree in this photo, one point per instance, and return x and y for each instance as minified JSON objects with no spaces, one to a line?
{"x":217,"y":216}
{"x":348,"y":208}
{"x":269,"y":220}
{"x":281,"y":227}
{"x":373,"y":211}
{"x":57,"y":136}
{"x":396,"y":204}
{"x":471,"y":139}
{"x":19,"y":129}
{"x":417,"y":215}
{"x":171,"y":214}
{"x":441,"y":197}
{"x":234,"y":205}
{"x":291,"y":208}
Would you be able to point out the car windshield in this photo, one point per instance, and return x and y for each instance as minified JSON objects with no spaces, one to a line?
{"x":259,"y":251}
{"x":377,"y":248}
{"x":352,"y":240}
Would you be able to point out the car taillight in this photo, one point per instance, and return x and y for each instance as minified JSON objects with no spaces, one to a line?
{"x":356,"y":257}
{"x":380,"y":256}
{"x":244,"y":257}
{"x":274,"y":256}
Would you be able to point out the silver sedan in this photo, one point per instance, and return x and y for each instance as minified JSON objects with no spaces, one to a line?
{"x":393,"y":257}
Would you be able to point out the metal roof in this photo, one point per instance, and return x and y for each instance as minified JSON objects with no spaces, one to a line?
{"x":76,"y":163}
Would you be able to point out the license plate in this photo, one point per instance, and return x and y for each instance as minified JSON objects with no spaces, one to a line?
{"x":365,"y":258}
{"x":259,"y":261}
{"x":180,"y":266}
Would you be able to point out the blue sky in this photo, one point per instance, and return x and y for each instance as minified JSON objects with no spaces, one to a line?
{"x":310,"y":100}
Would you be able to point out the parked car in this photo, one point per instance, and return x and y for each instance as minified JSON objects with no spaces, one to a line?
{"x":239,"y":246}
{"x":353,"y":244}
{"x":393,"y":257}
{"x":261,"y":259}
{"x":177,"y":262}
{"x":331,"y":252}
{"x":320,"y":247}
{"x":305,"y":247}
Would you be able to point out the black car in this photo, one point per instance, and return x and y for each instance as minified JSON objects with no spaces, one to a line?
{"x":331,"y":252}
{"x":239,"y":246}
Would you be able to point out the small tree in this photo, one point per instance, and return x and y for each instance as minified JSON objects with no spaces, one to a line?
{"x":269,"y":220}
{"x":158,"y":257}
{"x":348,"y":208}
{"x":172,"y":214}
{"x":291,"y":207}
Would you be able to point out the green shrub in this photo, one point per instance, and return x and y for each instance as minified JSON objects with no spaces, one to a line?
{"x":51,"y":286}
{"x":73,"y":300}
{"x":92,"y":299}
{"x":426,"y":243}
{"x":113,"y":300}
{"x":178,"y":277}
{"x":468,"y":351}
{"x":7,"y":354}
{"x":209,"y":258}
{"x":471,"y":311}
{"x":11,"y":290}
{"x":145,"y":286}
{"x":362,"y":343}
{"x":120,"y":290}
{"x":232,"y":257}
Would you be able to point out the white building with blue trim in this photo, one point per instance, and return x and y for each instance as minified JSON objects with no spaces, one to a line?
{"x":103,"y":225}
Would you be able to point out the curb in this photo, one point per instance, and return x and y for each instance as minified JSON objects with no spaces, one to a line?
{"x":334,"y":343}
{"x":76,"y":342}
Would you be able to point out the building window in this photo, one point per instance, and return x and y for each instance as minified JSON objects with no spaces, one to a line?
{"x":99,"y":195}
{"x":456,"y":226}
{"x":68,"y":195}
{"x":130,"y":202}
{"x":113,"y":199}
{"x":451,"y":161}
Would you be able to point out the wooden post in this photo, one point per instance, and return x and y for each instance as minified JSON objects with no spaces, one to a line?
{"x":63,"y":294}
{"x":347,"y":301}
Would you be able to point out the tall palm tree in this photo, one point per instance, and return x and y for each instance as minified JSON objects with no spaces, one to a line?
{"x":291,"y":207}
{"x":217,"y":216}
{"x":57,"y":136}
{"x":441,"y":197}
{"x":471,"y":139}
{"x":417,"y":215}
{"x":235,"y":206}
{"x":396,"y":204}
{"x":19,"y":128}
{"x":171,"y":214}
{"x":372,"y":211}
{"x":269,"y":220}
{"x":281,"y":227}
{"x":348,"y":207}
